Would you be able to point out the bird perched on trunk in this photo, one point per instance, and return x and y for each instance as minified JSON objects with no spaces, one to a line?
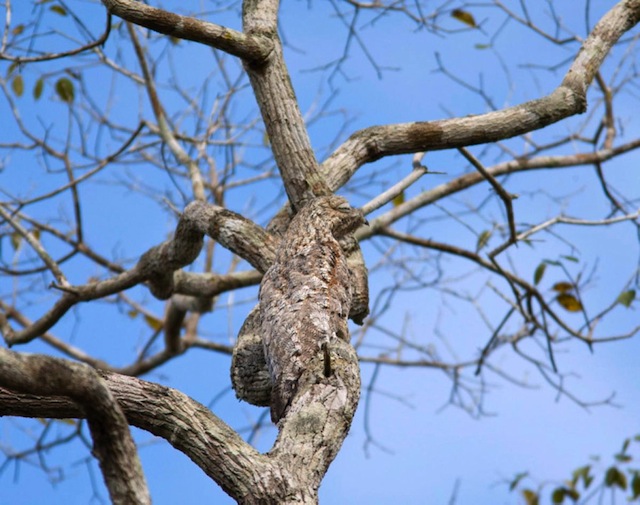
{"x":305,"y":296}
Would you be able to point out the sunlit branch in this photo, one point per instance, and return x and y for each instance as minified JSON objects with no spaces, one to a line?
{"x":36,"y":245}
{"x":252,"y":48}
{"x":395,"y":190}
{"x":157,"y":265}
{"x":188,"y":426}
{"x":113,"y":444}
{"x":371,"y":144}
{"x":471,"y":179}
{"x":163,"y":124}
{"x":578,"y":222}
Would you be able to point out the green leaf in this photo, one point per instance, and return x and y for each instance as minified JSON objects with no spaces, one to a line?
{"x":17,"y":85}
{"x":582,"y":473}
{"x":12,"y":68}
{"x":539,"y":272}
{"x":516,"y":480}
{"x":154,"y":324}
{"x":16,"y":240}
{"x":64,"y":89}
{"x":625,"y":445}
{"x":626,"y":297}
{"x":635,"y":485}
{"x":482,"y":46}
{"x":37,"y":89}
{"x":558,"y":495}
{"x":483,"y":238}
{"x":464,"y":17}
{"x":58,"y":9}
{"x":398,"y":199}
{"x":610,"y":476}
{"x":615,"y":477}
{"x":562,"y":287}
{"x":17,"y":30}
{"x":530,"y":497}
{"x":571,"y":258}
{"x":569,"y":302}
{"x":572,"y":493}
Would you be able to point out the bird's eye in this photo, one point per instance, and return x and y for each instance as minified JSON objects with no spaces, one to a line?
{"x":344,"y":207}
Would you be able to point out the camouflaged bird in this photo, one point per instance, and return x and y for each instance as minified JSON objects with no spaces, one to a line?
{"x":305,"y":296}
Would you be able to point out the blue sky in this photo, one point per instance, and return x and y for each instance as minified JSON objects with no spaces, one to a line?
{"x":425,"y":446}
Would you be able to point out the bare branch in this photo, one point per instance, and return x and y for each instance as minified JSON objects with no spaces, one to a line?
{"x":186,"y":424}
{"x":37,"y":247}
{"x":397,"y":189}
{"x":163,"y":125}
{"x":371,"y":144}
{"x":157,"y":266}
{"x":252,"y":48}
{"x":113,"y":445}
{"x":52,"y":56}
{"x":504,"y":196}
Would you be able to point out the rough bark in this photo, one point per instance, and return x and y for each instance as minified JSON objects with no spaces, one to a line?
{"x":318,"y":413}
{"x":246,"y":475}
{"x":247,"y":47}
{"x":158,"y":265}
{"x":276,"y":98}
{"x":112,"y":443}
{"x":570,"y":98}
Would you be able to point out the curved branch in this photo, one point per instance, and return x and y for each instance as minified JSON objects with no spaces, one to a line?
{"x":158,"y":265}
{"x":113,"y":445}
{"x":248,"y":47}
{"x":55,"y":56}
{"x":165,"y":412}
{"x":468,"y":180}
{"x":371,"y":144}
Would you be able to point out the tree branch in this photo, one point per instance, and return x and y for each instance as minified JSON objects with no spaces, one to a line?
{"x":252,"y":48}
{"x":280,"y":111}
{"x":371,"y":144}
{"x":186,"y":424}
{"x":158,"y":265}
{"x":113,"y":446}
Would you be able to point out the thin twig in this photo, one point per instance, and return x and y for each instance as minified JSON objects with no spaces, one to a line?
{"x":37,"y":247}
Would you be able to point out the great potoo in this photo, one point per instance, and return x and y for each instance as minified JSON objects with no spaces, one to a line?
{"x":305,"y":295}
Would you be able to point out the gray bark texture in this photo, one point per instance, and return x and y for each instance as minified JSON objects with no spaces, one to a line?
{"x":305,"y":298}
{"x":293,"y":352}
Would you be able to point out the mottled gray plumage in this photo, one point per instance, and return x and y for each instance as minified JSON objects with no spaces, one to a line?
{"x":250,"y":377}
{"x":306,"y":294}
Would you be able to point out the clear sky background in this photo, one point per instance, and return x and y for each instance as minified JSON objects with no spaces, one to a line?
{"x":406,"y":445}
